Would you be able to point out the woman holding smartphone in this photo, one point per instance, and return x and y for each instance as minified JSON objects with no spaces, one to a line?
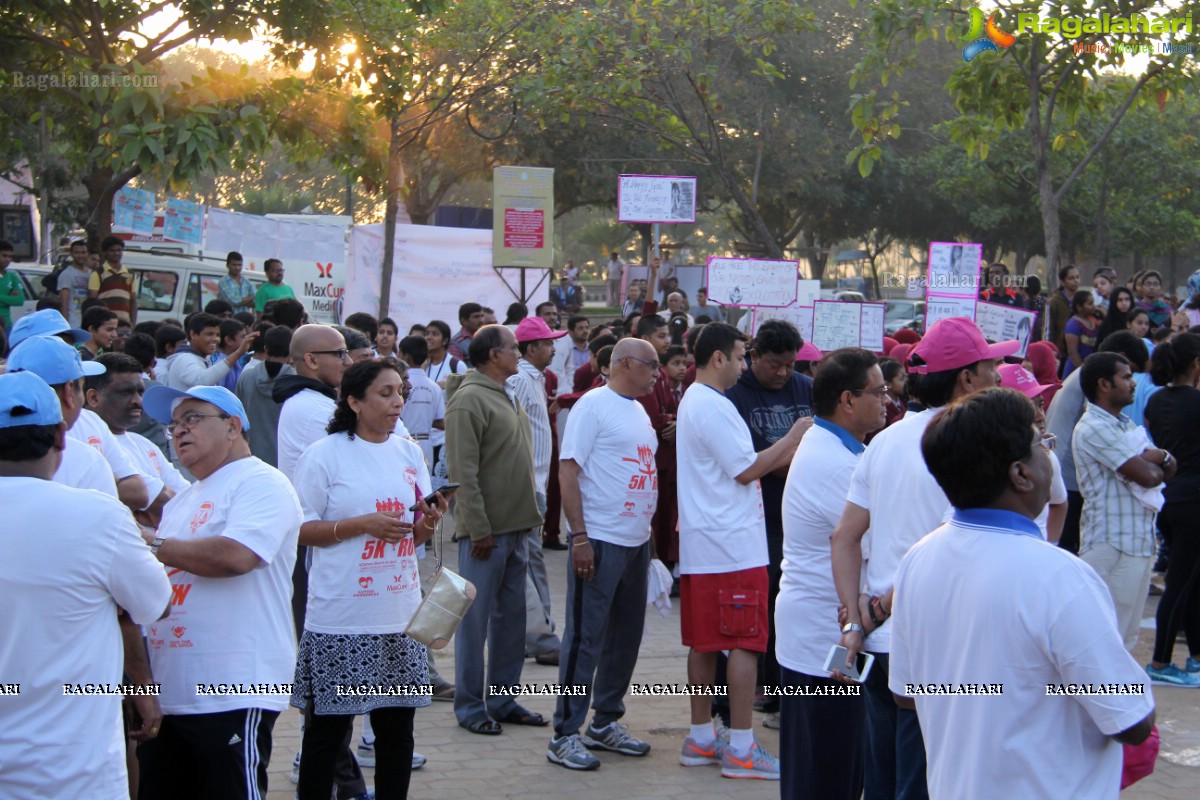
{"x":356,"y":486}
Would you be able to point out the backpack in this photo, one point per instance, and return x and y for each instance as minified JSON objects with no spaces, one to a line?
{"x":50,"y":281}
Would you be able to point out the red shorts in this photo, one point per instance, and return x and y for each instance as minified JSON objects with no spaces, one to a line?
{"x":725,"y":610}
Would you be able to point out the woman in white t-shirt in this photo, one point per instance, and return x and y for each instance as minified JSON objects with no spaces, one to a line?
{"x":356,"y":486}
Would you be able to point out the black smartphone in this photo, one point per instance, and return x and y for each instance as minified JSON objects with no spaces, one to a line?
{"x":446,"y":491}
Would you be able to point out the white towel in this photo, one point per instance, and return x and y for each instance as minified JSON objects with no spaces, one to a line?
{"x":658,"y":587}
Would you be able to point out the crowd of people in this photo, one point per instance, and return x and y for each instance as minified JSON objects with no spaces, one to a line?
{"x":863,"y":544}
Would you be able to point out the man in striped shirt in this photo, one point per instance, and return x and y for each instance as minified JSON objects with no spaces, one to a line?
{"x":1118,"y":472}
{"x":535,"y":340}
{"x":114,"y":283}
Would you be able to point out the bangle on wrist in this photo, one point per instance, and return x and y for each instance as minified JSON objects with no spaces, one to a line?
{"x":335,"y":536}
{"x":573,"y":534}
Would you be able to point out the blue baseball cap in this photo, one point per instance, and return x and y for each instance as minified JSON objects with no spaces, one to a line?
{"x":160,"y":401}
{"x":46,"y":322}
{"x":26,"y":399}
{"x":52,"y":360}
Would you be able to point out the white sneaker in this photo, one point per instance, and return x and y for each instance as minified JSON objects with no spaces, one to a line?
{"x":365,"y":754}
{"x":771,"y":720}
{"x":295,"y":776}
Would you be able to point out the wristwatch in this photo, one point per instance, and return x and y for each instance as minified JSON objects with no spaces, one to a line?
{"x":853,"y":626}
{"x":157,"y":543}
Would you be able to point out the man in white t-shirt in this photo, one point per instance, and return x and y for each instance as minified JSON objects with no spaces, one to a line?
{"x":59,"y":365}
{"x":609,"y":490}
{"x":116,"y":398}
{"x":1022,"y":670}
{"x":822,"y":733}
{"x":229,"y":542}
{"x":60,"y":613}
{"x":723,"y":551}
{"x":893,"y":501}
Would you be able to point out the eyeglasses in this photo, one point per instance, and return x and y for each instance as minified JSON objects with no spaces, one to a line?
{"x":651,"y":364}
{"x":342,"y":354}
{"x":1048,"y":441}
{"x":879,"y":392}
{"x":189,"y":421}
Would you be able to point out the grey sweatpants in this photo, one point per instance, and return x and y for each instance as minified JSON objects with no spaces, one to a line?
{"x":605,"y":620}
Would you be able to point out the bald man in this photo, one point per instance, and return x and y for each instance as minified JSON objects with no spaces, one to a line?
{"x":609,"y":493}
{"x":675,"y":306}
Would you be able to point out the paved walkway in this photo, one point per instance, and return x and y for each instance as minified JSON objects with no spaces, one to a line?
{"x":513,"y":765}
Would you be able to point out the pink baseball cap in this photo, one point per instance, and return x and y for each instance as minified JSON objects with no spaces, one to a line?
{"x":531,"y":329}
{"x":1014,"y":376}
{"x":955,"y":343}
{"x":809,"y":352}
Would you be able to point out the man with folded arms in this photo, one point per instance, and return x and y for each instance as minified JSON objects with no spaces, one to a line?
{"x":610,"y":490}
{"x":60,"y":608}
{"x":985,"y":453}
{"x":229,"y":541}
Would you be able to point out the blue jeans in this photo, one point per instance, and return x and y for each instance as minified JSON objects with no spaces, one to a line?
{"x":895,"y":749}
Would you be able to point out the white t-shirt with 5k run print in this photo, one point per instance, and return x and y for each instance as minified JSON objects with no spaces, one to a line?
{"x":230,"y":630}
{"x":610,"y":437}
{"x":362,"y":584}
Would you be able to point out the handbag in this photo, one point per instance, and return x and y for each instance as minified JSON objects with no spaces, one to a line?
{"x":447,"y":599}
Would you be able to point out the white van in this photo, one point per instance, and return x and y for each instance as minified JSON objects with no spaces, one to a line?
{"x":166,"y":285}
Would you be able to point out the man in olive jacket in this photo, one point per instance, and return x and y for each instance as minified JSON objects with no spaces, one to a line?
{"x":489,"y":451}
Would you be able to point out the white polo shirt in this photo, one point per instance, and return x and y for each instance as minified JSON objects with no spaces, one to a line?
{"x":230,"y":630}
{"x":806,"y":609}
{"x":721,"y":525}
{"x":971,"y":607}
{"x":155,"y":469}
{"x":892,"y":482}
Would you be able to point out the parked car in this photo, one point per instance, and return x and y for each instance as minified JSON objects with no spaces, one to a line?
{"x":844,"y":295}
{"x":900,"y":314}
{"x":166,"y":286}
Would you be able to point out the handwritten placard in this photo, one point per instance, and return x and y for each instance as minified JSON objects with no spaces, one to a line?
{"x":800,"y":316}
{"x":836,"y":325}
{"x":1000,"y":323}
{"x":656,"y":198}
{"x":183,"y":221}
{"x":940,"y":307}
{"x":751,"y":282}
{"x":870,"y":336}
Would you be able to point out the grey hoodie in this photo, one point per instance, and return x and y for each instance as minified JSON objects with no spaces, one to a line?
{"x":254,"y":389}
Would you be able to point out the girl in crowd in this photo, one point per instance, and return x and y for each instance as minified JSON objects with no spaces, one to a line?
{"x":441,"y":365}
{"x":1138,"y":321}
{"x":1035,"y":303}
{"x":1120,"y":303}
{"x":1152,"y":302}
{"x":1080,"y":332}
{"x":1103,"y":281}
{"x":1060,"y":305}
{"x":1042,"y":361}
{"x":386,"y":338}
{"x":1191,"y":308}
{"x":1171,"y":418}
{"x":356,"y":487}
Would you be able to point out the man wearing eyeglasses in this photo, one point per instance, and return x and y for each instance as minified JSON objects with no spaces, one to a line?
{"x":229,"y":543}
{"x":490,"y":453}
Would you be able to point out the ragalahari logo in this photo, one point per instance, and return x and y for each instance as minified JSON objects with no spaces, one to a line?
{"x":981,"y":37}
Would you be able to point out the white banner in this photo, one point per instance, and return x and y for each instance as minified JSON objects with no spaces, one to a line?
{"x":435,"y":270}
{"x":313,"y":254}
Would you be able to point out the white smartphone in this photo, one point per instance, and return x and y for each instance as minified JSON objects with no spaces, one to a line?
{"x":837,"y":660}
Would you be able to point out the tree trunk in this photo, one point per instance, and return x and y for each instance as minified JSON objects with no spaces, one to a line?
{"x":101,"y":185}
{"x":395,"y":181}
{"x":1050,"y":222}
